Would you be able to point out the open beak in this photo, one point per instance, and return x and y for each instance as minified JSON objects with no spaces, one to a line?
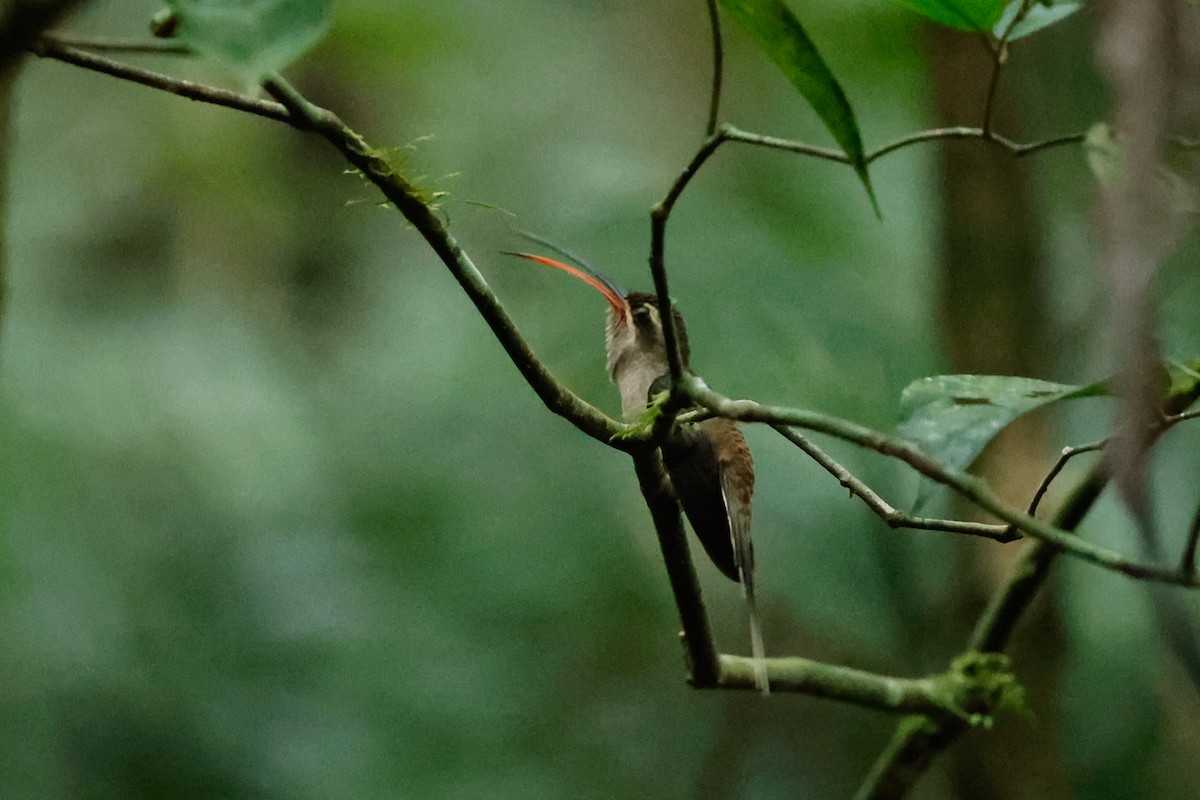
{"x":597,"y":280}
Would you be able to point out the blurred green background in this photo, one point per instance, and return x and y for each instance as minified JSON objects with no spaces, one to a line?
{"x":280,"y":520}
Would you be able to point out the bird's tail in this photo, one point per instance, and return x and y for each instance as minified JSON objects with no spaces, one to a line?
{"x":757,"y":650}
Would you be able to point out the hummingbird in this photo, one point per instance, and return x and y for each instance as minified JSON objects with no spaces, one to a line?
{"x":708,"y":464}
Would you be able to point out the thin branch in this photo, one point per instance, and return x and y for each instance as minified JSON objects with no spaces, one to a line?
{"x":1175,"y":419}
{"x":419,"y":212}
{"x":1018,"y":149}
{"x":989,"y":105}
{"x":999,"y":59}
{"x":1166,"y":422}
{"x":658,"y":226}
{"x":996,"y":624}
{"x":51,"y":48}
{"x":406,"y":197}
{"x":1066,"y":455}
{"x":105,"y":44}
{"x":969,"y":486}
{"x":714,"y":103}
{"x":892,"y":516}
{"x":732,"y":134}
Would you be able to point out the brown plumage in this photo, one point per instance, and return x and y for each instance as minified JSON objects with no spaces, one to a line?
{"x":708,"y":463}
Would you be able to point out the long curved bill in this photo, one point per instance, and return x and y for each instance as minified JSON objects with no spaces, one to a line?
{"x":601,"y":283}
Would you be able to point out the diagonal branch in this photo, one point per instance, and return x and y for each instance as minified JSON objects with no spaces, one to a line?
{"x":658,"y":230}
{"x":49,"y":47}
{"x":714,"y":104}
{"x":884,"y":510}
{"x":405,"y":196}
{"x":999,"y":59}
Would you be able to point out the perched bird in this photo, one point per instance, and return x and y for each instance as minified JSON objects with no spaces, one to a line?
{"x":708,"y":464}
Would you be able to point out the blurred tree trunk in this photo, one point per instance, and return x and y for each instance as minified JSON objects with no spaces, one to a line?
{"x":993,"y":314}
{"x":7,"y":78}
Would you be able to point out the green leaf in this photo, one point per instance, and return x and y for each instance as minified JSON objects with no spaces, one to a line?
{"x":966,"y":15}
{"x":1182,"y":378}
{"x":780,"y":35}
{"x":953,"y":417}
{"x":1041,"y":15}
{"x":252,"y":37}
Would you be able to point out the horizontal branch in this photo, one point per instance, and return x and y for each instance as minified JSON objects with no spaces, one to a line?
{"x":732,"y":134}
{"x":804,"y":676}
{"x":972,"y":688}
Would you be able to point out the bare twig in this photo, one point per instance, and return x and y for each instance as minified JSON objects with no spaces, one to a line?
{"x":1175,"y":419}
{"x":989,"y":106}
{"x":1066,"y":455}
{"x":661,"y":212}
{"x":1018,"y":149}
{"x":106,"y":44}
{"x":892,"y":516}
{"x":999,"y":59}
{"x":718,"y":75}
{"x":52,"y":48}
{"x":658,"y":226}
